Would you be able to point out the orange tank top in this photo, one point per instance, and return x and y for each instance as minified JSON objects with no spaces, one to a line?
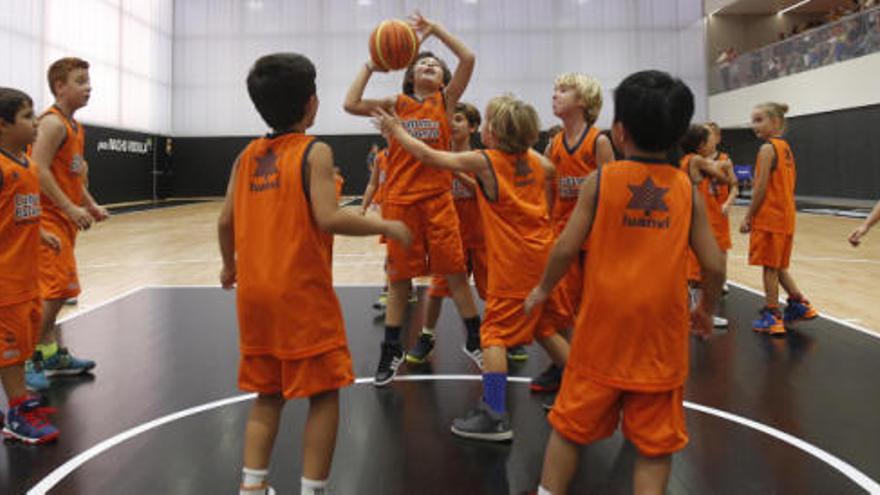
{"x":573,"y":165}
{"x":67,"y":167}
{"x":516,"y":224}
{"x":408,"y":180}
{"x":339,"y":184}
{"x":777,"y":212}
{"x":19,"y":229}
{"x":287,"y":307}
{"x":469,"y":225}
{"x":633,"y":326}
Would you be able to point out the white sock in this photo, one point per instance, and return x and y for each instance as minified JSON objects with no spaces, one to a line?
{"x":543,"y":491}
{"x":428,"y":331}
{"x":252,"y":478}
{"x":313,"y":487}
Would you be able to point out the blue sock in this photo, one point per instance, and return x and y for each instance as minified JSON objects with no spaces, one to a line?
{"x":494,"y":390}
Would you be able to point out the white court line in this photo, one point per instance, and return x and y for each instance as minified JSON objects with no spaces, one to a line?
{"x":839,"y":321}
{"x":101,"y":304}
{"x":55,"y":477}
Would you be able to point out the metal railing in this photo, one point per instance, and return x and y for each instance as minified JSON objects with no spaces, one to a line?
{"x":850,"y":37}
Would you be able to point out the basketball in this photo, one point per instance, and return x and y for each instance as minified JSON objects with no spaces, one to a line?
{"x":393,"y":45}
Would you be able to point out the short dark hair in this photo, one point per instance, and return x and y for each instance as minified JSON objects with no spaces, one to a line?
{"x":409,"y":84}
{"x":694,"y":137}
{"x":654,"y":108}
{"x":11,"y":102}
{"x":280,"y":85}
{"x":470,"y":112}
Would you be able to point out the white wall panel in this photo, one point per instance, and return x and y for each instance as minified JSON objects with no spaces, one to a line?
{"x":127,"y":42}
{"x":521,"y":46}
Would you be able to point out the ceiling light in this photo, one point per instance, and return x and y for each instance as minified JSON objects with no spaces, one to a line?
{"x":792,"y":7}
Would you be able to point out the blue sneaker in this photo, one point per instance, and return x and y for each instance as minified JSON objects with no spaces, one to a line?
{"x":798,"y":310}
{"x":28,"y":422}
{"x":34,"y":378}
{"x":64,"y":364}
{"x":769,"y":322}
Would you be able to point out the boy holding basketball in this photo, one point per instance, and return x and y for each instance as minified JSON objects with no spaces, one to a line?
{"x":513,"y":196}
{"x":67,"y":208}
{"x":20,"y":237}
{"x":629,"y":352}
{"x":770,"y":222}
{"x":276,"y":239}
{"x":576,"y":151}
{"x":418,"y":195}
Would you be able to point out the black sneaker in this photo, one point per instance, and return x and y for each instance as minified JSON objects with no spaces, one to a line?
{"x":392,"y":357}
{"x":517,"y":353}
{"x":483,"y":424}
{"x":423,"y":348}
{"x":548,"y":381}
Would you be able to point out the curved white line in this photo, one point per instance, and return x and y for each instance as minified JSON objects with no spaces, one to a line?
{"x":62,"y":471}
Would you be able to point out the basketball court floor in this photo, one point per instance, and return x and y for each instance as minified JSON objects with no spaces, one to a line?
{"x":162,"y":413}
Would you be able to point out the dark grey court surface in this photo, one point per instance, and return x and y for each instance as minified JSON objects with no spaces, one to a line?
{"x":164,"y":350}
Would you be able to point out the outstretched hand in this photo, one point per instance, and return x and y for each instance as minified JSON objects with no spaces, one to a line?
{"x":421,"y":25}
{"x":536,"y":298}
{"x":385,"y":122}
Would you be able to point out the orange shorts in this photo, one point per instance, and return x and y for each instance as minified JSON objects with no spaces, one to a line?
{"x":476,"y":266}
{"x":506,"y":324}
{"x":19,"y":331}
{"x":436,"y":242}
{"x":770,"y":249}
{"x":58,"y":276}
{"x":721,"y":230}
{"x":571,"y":288}
{"x":296,"y":378}
{"x":586,"y":411}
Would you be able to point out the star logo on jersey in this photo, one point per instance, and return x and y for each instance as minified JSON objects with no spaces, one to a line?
{"x":647,"y":197}
{"x":266,"y":165}
{"x":266,"y":168}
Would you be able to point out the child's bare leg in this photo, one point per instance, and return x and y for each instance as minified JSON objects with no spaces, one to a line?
{"x":557,"y":348}
{"x":787,"y":282}
{"x":432,"y":313}
{"x":460,"y":291}
{"x":398,"y":299}
{"x":319,"y":438}
{"x":48,"y":328}
{"x":560,"y":464}
{"x":771,"y":287}
{"x":495,"y":359}
{"x":13,"y":381}
{"x":651,"y":474}
{"x":262,"y":426}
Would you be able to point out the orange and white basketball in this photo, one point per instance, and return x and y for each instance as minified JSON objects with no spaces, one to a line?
{"x":393,"y":45}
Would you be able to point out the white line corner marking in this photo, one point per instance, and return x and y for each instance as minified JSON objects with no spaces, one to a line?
{"x":65,"y":469}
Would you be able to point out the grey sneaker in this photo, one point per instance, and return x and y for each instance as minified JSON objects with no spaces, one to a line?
{"x":483,"y":424}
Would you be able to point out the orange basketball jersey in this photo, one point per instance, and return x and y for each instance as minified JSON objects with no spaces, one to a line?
{"x":468,"y":210}
{"x":516,"y":224}
{"x":68,"y":167}
{"x":713,"y":207}
{"x":777,"y":212}
{"x":721,"y":190}
{"x":573,"y":165}
{"x":339,"y":184}
{"x":632,"y":328}
{"x":408,"y":180}
{"x":19,"y":229}
{"x":287,"y":307}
